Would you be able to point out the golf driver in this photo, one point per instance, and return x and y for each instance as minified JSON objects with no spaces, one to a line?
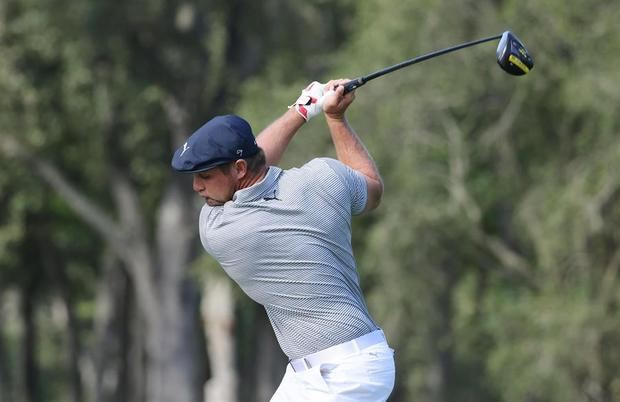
{"x":511,"y":55}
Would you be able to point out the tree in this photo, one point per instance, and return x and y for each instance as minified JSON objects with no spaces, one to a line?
{"x":501,"y":196}
{"x":100,"y":96}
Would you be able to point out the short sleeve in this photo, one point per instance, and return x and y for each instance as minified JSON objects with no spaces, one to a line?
{"x":353,"y":184}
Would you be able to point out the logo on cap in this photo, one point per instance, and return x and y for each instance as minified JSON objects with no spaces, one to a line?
{"x":185,"y":148}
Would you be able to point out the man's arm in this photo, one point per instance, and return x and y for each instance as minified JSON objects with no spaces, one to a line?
{"x":275,"y":138}
{"x":349,"y":147}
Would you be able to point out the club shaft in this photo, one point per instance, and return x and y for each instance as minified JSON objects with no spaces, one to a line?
{"x":358,"y":82}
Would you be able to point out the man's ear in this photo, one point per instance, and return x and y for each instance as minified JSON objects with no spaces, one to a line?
{"x":241,"y":166}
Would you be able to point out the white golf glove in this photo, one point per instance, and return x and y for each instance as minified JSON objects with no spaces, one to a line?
{"x":310,"y":102}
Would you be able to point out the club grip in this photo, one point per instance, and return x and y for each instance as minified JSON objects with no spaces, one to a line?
{"x":353,"y":84}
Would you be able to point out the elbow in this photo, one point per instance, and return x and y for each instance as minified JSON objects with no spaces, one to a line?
{"x":375,"y":194}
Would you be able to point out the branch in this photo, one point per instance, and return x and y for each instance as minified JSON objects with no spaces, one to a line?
{"x":510,"y":259}
{"x":498,"y":135}
{"x":132,"y":249}
{"x":85,"y":208}
{"x":459,"y":166}
{"x":177,"y":118}
{"x":608,"y":281}
{"x":176,"y":211}
{"x":127,"y":205}
{"x":497,"y":131}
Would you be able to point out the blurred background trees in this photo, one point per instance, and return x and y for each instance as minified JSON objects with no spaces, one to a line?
{"x":492,"y":263}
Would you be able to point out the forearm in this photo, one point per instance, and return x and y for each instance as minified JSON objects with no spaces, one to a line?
{"x":351,"y":151}
{"x":349,"y":148}
{"x":275,"y":138}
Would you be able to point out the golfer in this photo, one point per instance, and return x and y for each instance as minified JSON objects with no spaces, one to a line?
{"x":285,"y":237}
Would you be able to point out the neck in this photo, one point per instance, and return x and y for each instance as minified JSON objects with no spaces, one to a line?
{"x":252,"y":178}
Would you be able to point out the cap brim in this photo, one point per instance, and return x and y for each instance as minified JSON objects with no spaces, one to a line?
{"x":200,"y":168}
{"x":185,"y":166}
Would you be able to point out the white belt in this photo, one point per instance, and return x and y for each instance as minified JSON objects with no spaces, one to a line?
{"x":338,"y":351}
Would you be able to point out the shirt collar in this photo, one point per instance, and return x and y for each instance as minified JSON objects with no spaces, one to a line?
{"x":258,"y":190}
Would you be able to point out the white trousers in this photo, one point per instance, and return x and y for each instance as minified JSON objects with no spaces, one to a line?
{"x":367,"y":375}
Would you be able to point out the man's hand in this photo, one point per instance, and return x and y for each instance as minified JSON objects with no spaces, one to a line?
{"x":308,"y":104}
{"x":335,"y":102}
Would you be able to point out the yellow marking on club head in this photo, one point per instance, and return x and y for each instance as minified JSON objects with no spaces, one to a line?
{"x":518,"y":63}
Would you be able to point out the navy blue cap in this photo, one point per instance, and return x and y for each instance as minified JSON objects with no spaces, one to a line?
{"x":221,"y":140}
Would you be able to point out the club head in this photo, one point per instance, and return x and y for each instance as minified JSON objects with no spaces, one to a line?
{"x":512,"y":56}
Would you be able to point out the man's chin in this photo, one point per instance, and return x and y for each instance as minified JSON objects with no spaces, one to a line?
{"x":213,"y":203}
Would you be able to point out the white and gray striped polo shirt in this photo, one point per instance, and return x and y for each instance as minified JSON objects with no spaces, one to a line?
{"x":287,"y":242}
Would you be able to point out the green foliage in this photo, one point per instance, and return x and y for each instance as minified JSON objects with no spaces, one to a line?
{"x":469,"y":156}
{"x":493,"y":261}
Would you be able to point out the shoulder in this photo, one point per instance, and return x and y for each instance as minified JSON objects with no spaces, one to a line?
{"x":332,"y":177}
{"x":207,"y":215}
{"x":317,"y":171}
{"x":332,"y":167}
{"x":315,"y":168}
{"x":324,"y":164}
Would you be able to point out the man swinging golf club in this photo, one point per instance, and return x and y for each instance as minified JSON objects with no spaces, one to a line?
{"x":285,"y":237}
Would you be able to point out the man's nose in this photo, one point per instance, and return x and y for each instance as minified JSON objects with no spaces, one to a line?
{"x":197,"y":184}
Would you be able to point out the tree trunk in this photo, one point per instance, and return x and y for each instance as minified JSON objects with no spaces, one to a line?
{"x":167,"y":302}
{"x":134,"y":345}
{"x":53,"y":265}
{"x":5,"y":368}
{"x":74,"y":348}
{"x":174,"y":360}
{"x":442,"y":367}
{"x":175,"y":351}
{"x":30,"y":370}
{"x":270,"y":360}
{"x":218,"y":312}
{"x":114,"y":306}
